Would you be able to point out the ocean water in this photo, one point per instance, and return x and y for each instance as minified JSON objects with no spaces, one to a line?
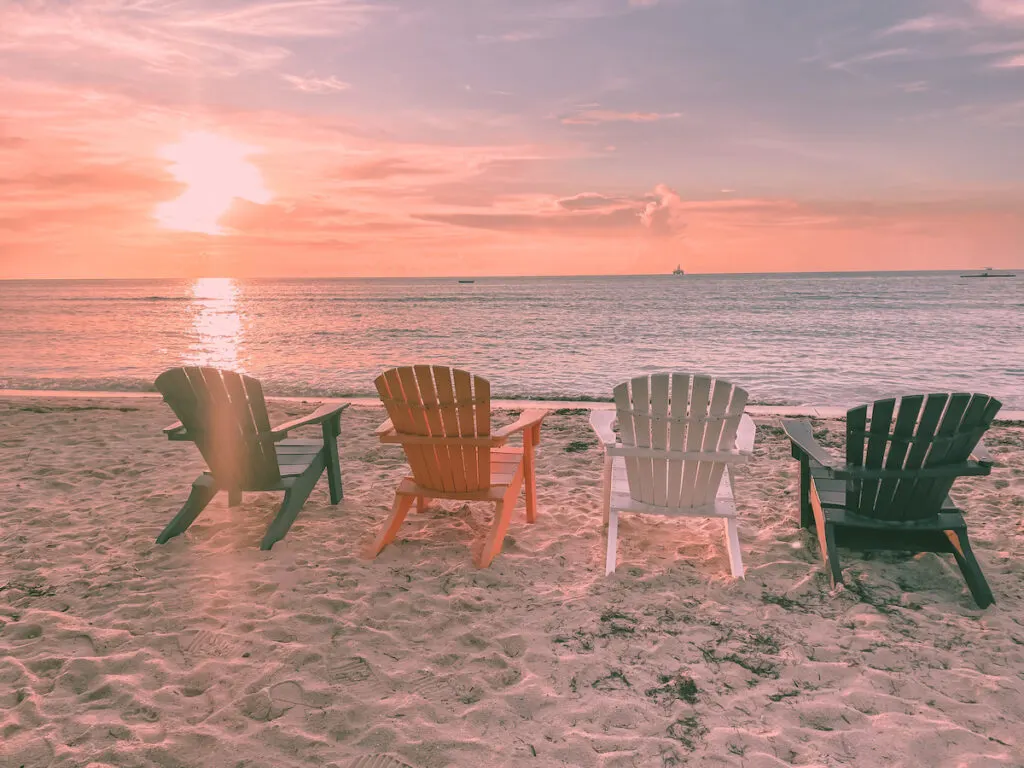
{"x":812,"y":339}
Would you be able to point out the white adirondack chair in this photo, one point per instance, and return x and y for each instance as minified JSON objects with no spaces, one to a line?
{"x":674,"y":451}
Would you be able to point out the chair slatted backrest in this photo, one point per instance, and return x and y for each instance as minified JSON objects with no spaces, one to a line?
{"x":438,"y":401}
{"x":932,"y":431}
{"x":225,"y":414}
{"x":677,"y":413}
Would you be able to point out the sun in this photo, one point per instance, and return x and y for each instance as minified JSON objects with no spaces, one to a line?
{"x":216,"y":171}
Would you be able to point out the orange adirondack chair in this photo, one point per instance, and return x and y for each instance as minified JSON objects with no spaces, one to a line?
{"x":442,"y":418}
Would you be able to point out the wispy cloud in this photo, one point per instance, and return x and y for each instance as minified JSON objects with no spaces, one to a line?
{"x":313,"y":84}
{"x":932,"y":23}
{"x":182,"y":37}
{"x":1013,"y":62}
{"x":595,"y":116}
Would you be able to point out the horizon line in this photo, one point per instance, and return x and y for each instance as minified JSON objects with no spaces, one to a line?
{"x":465,"y":276}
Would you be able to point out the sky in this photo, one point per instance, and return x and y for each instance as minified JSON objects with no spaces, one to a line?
{"x":147,"y":138}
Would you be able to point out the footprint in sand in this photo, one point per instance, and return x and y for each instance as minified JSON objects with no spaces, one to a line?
{"x":427,"y":685}
{"x":378,"y":761}
{"x":353,"y":670}
{"x":513,"y":645}
{"x":207,"y":642}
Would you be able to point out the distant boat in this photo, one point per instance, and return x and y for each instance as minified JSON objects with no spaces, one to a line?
{"x":678,"y":270}
{"x":987,"y":272}
{"x":467,"y":281}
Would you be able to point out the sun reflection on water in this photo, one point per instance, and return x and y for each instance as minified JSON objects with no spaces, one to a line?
{"x":216,"y":323}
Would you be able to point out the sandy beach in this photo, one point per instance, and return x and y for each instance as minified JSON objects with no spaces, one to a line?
{"x":115,"y":651}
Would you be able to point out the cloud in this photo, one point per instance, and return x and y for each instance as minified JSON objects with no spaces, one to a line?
{"x":1001,"y":10}
{"x":598,"y":116}
{"x":589,"y":201}
{"x":179,"y":37}
{"x":927,"y":24}
{"x":663,"y":214}
{"x":1011,"y":63}
{"x":313,"y":84}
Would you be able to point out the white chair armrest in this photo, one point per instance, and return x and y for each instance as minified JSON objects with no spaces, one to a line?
{"x":601,"y":422}
{"x":745,"y":434}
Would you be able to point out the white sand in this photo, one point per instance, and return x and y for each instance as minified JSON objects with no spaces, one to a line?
{"x":209,"y":652}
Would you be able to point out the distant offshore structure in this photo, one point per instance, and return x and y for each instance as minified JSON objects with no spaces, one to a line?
{"x":679,"y":270}
{"x":987,"y":272}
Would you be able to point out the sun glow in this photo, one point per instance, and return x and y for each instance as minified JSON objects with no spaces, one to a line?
{"x":216,"y":171}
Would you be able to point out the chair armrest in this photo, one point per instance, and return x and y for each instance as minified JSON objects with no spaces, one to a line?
{"x":176,"y":431}
{"x":384,"y":428}
{"x":526,"y":420}
{"x":601,"y":422}
{"x":319,"y":416}
{"x":745,"y":434}
{"x":981,"y":455}
{"x":802,"y":438}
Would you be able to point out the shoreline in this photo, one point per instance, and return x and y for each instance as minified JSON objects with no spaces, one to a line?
{"x":787,"y":411}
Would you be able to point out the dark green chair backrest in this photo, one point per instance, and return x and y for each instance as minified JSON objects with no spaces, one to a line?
{"x":225,"y":415}
{"x":915,"y":432}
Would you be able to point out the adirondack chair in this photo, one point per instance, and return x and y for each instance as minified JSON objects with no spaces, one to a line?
{"x":225,"y":415}
{"x":891,"y":491}
{"x":442,"y":418}
{"x":674,"y":452}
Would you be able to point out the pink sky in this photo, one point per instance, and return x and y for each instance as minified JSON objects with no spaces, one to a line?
{"x":334,"y":137}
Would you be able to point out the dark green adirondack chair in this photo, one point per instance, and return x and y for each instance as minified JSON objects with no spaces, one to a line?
{"x":225,"y":415}
{"x":891,"y":492}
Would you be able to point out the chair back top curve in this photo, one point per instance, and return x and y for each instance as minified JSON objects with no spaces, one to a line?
{"x":914,"y":432}
{"x":225,"y":414}
{"x":678,"y":413}
{"x":438,"y":401}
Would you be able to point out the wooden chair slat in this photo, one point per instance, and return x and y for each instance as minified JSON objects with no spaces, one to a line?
{"x":899,"y":445}
{"x":450,"y":423}
{"x":677,"y":434}
{"x":699,"y":401}
{"x":881,"y":418}
{"x":428,"y":458}
{"x":703,"y":491}
{"x":428,"y":393}
{"x":627,"y":431}
{"x":901,"y":505}
{"x":641,"y":402}
{"x":482,"y":394}
{"x":727,"y":440}
{"x":659,"y":437}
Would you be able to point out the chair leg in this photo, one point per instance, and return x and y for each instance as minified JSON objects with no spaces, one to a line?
{"x":613,"y":534}
{"x":606,"y":488}
{"x":531,"y":477}
{"x":969,"y":567}
{"x":827,"y":544}
{"x":294,"y":498}
{"x":806,"y":513}
{"x":203,"y":491}
{"x":331,"y":428}
{"x":422,"y":504}
{"x":398,"y":512}
{"x":234,"y":497}
{"x":502,"y":517}
{"x":732,"y":540}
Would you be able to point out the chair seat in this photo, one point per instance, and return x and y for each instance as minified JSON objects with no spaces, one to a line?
{"x":724,"y":506}
{"x":294,"y":456}
{"x":504,"y":463}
